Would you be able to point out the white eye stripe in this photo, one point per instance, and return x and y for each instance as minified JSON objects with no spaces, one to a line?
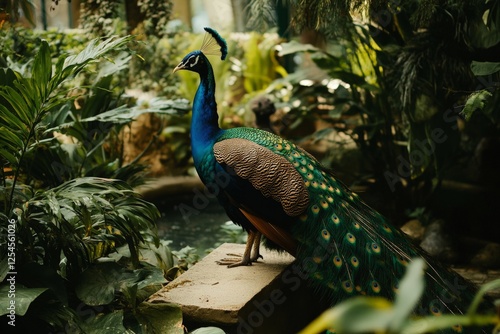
{"x":195,"y":62}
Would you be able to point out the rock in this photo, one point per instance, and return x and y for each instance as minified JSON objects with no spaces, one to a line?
{"x":488,"y":256}
{"x":437,"y":243}
{"x":414,"y":229}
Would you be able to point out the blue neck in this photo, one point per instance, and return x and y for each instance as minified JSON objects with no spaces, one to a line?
{"x":204,"y":121}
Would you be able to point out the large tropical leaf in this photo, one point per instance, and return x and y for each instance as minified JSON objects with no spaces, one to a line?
{"x":161,"y":318}
{"x":112,"y":323}
{"x":23,"y":298}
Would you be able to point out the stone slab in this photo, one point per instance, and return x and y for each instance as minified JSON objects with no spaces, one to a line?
{"x":213,"y":292}
{"x":267,"y":297}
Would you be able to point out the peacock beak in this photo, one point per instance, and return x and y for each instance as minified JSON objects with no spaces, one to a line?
{"x":178,"y":67}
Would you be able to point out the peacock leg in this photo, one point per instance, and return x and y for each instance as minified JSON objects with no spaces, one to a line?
{"x":256,"y":246}
{"x":245,"y":260}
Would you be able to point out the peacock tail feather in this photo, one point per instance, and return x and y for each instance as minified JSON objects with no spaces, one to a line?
{"x":344,"y":246}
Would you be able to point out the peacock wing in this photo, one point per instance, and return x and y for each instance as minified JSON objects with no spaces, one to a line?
{"x":261,"y":179}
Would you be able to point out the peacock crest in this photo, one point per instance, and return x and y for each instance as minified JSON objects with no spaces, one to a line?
{"x":213,"y":44}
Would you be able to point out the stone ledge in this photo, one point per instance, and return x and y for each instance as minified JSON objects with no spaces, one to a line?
{"x":250,"y":299}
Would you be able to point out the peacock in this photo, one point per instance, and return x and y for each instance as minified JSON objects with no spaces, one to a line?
{"x":281,"y":194}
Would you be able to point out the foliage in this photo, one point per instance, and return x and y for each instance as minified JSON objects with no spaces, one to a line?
{"x":261,"y":15}
{"x":185,"y":258}
{"x":260,"y":66}
{"x":157,"y":14}
{"x":19,"y":45}
{"x":399,"y":75}
{"x":485,"y":100}
{"x":348,"y":96}
{"x":70,"y":197}
{"x":159,"y":55}
{"x":233,"y":233}
{"x":102,"y":18}
{"x":332,"y":18}
{"x":378,"y":315}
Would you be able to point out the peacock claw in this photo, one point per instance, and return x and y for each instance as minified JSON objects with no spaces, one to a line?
{"x":256,"y":258}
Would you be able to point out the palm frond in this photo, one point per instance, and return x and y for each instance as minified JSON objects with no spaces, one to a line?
{"x":84,"y":219}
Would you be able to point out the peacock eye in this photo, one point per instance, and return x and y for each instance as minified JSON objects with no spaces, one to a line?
{"x":193,"y":61}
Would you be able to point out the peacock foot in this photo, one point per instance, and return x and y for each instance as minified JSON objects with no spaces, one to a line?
{"x":237,"y":260}
{"x":251,"y":254}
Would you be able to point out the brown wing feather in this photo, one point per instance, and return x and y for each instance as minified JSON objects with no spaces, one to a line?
{"x":270,"y":173}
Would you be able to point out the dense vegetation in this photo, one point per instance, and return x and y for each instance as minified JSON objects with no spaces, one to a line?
{"x":406,"y":96}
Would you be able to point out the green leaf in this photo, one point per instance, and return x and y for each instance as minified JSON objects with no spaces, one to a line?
{"x":160,"y":318}
{"x":422,"y":150}
{"x":478,"y":298}
{"x":111,"y":323}
{"x":60,"y":316}
{"x":374,"y":314}
{"x":7,"y":76}
{"x":12,"y":138}
{"x":425,"y":108}
{"x":294,"y":47}
{"x":69,"y":67}
{"x":42,"y":69}
{"x":149,"y":276}
{"x":160,"y":257}
{"x":4,"y":268}
{"x":98,"y":284}
{"x":22,"y":297}
{"x":125,"y":115}
{"x":129,"y":292}
{"x":355,"y":315}
{"x":411,"y":289}
{"x":484,"y":68}
{"x":484,"y":34}
{"x":433,"y":324}
{"x":476,"y":101}
{"x":21,"y":106}
{"x":351,"y":78}
{"x":119,"y":63}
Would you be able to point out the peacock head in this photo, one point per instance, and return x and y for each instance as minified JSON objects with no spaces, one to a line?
{"x":194,"y":61}
{"x":213,"y":44}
